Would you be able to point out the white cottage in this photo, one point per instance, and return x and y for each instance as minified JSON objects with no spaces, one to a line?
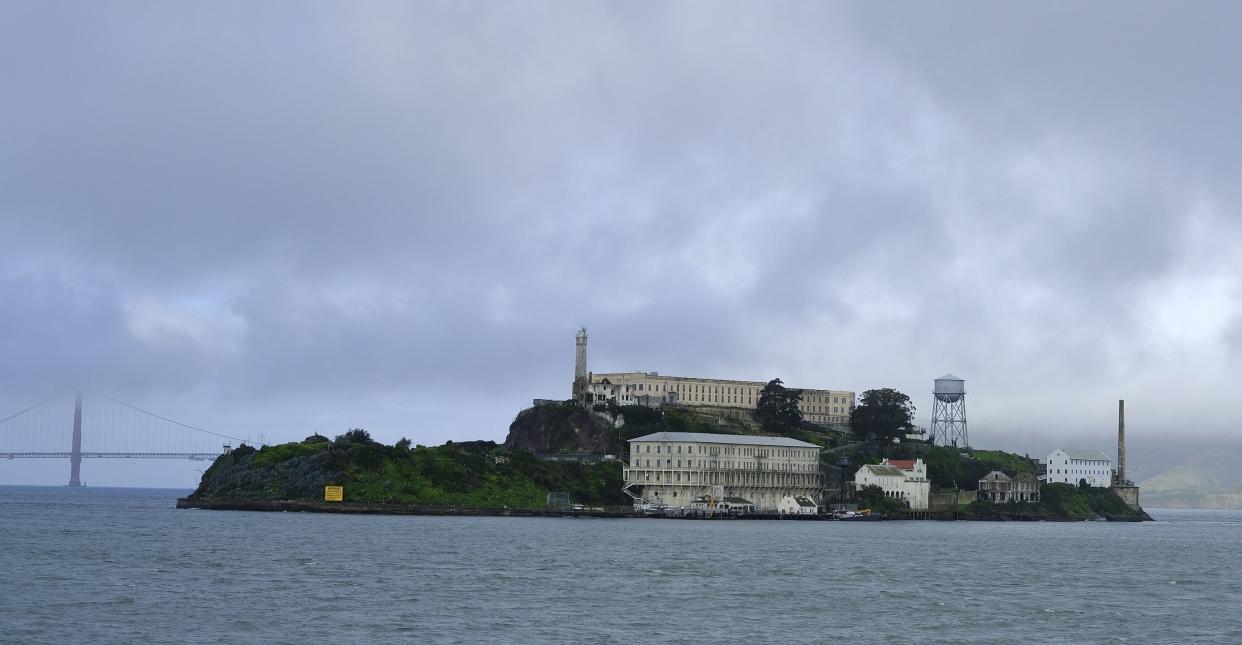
{"x":904,"y":479}
{"x":797,"y":506}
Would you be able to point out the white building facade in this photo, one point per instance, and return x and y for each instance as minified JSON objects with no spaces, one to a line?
{"x":674,"y":468}
{"x":797,"y":506}
{"x":1070,"y":466}
{"x":905,"y":480}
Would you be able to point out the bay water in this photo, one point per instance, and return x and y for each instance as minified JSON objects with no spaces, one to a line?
{"x":124,"y":566}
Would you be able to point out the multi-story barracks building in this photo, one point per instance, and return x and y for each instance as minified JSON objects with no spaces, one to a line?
{"x":674,"y":469}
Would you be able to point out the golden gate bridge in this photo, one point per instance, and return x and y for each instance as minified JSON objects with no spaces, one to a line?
{"x":103,"y":427}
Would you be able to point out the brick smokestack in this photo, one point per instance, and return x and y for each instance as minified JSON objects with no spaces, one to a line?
{"x":1121,"y":441}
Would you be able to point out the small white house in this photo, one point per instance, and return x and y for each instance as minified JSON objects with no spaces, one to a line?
{"x":797,"y":506}
{"x":904,"y":479}
{"x":1070,"y":466}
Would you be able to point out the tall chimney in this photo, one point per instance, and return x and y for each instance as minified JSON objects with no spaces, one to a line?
{"x":1121,"y":441}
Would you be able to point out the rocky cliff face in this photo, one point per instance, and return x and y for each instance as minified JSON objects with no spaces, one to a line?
{"x":561,"y":428}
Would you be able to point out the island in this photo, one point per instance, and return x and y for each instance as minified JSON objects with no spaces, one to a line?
{"x":560,"y":458}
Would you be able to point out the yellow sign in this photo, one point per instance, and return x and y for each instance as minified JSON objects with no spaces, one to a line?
{"x":333,"y":493}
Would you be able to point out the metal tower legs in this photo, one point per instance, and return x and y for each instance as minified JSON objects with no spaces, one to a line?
{"x":948,"y":426}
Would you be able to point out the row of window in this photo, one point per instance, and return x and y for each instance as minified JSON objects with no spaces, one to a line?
{"x":742,"y":451}
{"x":742,"y":465}
{"x":732,"y":393}
{"x":676,"y":477}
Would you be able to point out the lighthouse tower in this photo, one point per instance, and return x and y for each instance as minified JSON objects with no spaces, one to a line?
{"x":580,"y":360}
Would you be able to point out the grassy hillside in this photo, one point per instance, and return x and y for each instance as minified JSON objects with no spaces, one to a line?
{"x":476,"y":473}
{"x":948,"y":467}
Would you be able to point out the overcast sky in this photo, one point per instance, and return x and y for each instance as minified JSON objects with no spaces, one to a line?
{"x":289,"y":217}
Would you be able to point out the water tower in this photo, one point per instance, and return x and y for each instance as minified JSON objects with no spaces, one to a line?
{"x":948,"y":425}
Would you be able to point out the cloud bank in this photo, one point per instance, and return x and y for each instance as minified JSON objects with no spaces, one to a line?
{"x":286,"y":218}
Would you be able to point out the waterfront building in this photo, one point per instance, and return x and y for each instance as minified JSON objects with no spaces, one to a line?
{"x":724,"y":506}
{"x":1070,"y":466}
{"x":675,"y":468}
{"x":903,"y":479}
{"x":797,"y":506}
{"x":999,"y":488}
{"x":825,"y":407}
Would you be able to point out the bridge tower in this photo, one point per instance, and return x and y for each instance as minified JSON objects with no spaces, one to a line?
{"x":75,"y":457}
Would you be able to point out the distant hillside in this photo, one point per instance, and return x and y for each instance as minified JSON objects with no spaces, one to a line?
{"x":1206,"y":480}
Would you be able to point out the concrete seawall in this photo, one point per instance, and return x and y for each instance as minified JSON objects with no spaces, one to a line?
{"x":376,"y":508}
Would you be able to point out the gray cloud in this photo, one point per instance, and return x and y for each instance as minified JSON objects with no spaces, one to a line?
{"x":284,"y":218}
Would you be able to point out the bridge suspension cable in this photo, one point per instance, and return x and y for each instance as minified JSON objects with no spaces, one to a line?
{"x":163,"y":418}
{"x":21,"y":412}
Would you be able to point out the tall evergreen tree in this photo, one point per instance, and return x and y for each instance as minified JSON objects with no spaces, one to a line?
{"x":883,"y":415}
{"x":778,"y":408}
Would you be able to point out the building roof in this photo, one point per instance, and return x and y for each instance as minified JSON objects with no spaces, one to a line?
{"x":996,"y":475}
{"x":950,"y":377}
{"x":743,"y":439}
{"x":737,"y":500}
{"x":1085,"y":455}
{"x":904,"y":464}
{"x":884,"y":471}
{"x":806,"y":502}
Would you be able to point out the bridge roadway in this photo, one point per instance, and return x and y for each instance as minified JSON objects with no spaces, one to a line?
{"x":193,"y":456}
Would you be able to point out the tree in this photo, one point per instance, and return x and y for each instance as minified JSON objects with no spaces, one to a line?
{"x":884,"y":415}
{"x":356,"y":435}
{"x":944,"y":466}
{"x":873,"y":497}
{"x":778,"y":408}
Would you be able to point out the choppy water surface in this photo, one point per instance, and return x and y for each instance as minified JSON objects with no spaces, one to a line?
{"x":112,"y":565}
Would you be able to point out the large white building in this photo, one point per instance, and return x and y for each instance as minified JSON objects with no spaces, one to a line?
{"x":674,"y":468}
{"x":1070,"y":466}
{"x":828,"y":407}
{"x":903,"y":479}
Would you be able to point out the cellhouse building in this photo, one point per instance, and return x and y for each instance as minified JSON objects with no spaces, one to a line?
{"x":823,"y":407}
{"x":675,"y":468}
